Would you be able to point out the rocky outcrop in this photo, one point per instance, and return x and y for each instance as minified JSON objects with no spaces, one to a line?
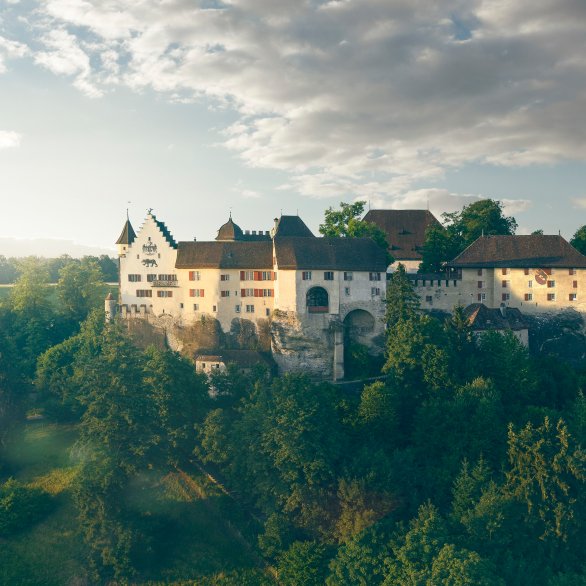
{"x":562,"y":334}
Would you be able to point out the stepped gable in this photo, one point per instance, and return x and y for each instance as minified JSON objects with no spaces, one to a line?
{"x":349,"y":254}
{"x":164,"y":231}
{"x":292,"y":227}
{"x":531,"y":251}
{"x":481,"y":317}
{"x":225,"y":255}
{"x":128,"y":234}
{"x":405,"y":230}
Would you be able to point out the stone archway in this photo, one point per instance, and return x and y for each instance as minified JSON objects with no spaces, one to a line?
{"x":359,"y":328}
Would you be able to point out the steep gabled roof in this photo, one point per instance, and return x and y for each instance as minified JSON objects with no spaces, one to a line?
{"x":483,"y":318}
{"x":292,"y":227}
{"x":128,"y":234}
{"x":405,"y":230}
{"x":349,"y":254}
{"x":531,"y":251}
{"x":225,"y":255}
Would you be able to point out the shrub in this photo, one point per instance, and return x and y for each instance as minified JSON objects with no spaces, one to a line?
{"x":21,"y":506}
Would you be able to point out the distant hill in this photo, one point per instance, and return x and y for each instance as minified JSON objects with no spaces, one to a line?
{"x":49,"y":247}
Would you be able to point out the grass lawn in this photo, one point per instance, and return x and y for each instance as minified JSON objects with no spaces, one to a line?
{"x":196,"y":536}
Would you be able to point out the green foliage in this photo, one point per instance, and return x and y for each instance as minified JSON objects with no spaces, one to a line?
{"x":305,"y":562}
{"x":21,"y":506}
{"x":578,"y":240}
{"x":346,"y":223}
{"x":547,"y":473}
{"x":402,"y":302}
{"x":79,"y":288}
{"x":485,"y":216}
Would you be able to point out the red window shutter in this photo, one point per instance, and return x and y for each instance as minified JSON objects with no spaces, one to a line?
{"x":504,"y":271}
{"x":526,"y":271}
{"x":201,"y":292}
{"x":526,"y":296}
{"x":242,"y":292}
{"x":257,"y":275}
{"x":191,"y":275}
{"x":242,"y":275}
{"x":258,"y":292}
{"x":575,"y":284}
{"x":271,"y":293}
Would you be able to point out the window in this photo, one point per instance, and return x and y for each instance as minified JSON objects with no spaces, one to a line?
{"x":250,"y":309}
{"x":257,"y":275}
{"x":530,"y":284}
{"x":317,"y":300}
{"x":328,"y":275}
{"x":573,"y":296}
{"x":214,"y":308}
{"x":134,"y":278}
{"x":428,"y":299}
{"x":151,"y":278}
{"x":181,"y":306}
{"x":164,"y":293}
{"x":237,"y":308}
{"x":575,"y":284}
{"x":247,"y":275}
{"x":506,"y":284}
{"x":224,"y":277}
{"x":246,"y":292}
{"x":306,"y":275}
{"x":572,"y":271}
{"x":505,"y":271}
{"x":263,"y":293}
{"x":347,"y":291}
{"x":144,"y":292}
{"x":482,"y":297}
{"x":551,"y":296}
{"x":374,"y":276}
{"x":196,"y":307}
{"x":194,"y":275}
{"x":224,"y":293}
{"x":375,"y":291}
{"x":479,"y":272}
{"x":526,"y":271}
{"x":167,"y":277}
{"x":267,"y":312}
{"x":506,"y":296}
{"x":550,"y":284}
{"x":528,"y":296}
{"x":196,"y":293}
{"x":480,"y":284}
{"x":348,"y":275}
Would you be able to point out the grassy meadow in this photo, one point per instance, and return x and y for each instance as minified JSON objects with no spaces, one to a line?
{"x":202,"y":531}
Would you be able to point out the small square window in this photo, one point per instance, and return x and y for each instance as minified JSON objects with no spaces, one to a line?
{"x":306,"y":275}
{"x":575,"y":284}
{"x":196,"y":307}
{"x":551,"y":296}
{"x":429,"y":299}
{"x":237,"y":308}
{"x":573,"y":296}
{"x":348,"y":276}
{"x":506,"y":296}
{"x":347,"y":291}
{"x":328,"y":275}
{"x":530,"y":284}
{"x":214,"y":308}
{"x":479,"y":272}
{"x":550,"y":284}
{"x":528,"y":296}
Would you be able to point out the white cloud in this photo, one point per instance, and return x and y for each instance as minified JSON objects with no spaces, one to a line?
{"x":362,"y":98}
{"x":9,"y":139}
{"x":10,"y":50}
{"x":579,"y":202}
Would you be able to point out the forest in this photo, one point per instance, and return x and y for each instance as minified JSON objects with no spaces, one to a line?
{"x":462,"y":464}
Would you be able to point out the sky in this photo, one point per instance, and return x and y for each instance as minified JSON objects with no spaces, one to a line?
{"x":262,"y":107}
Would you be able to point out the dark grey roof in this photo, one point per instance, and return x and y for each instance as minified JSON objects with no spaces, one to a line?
{"x":350,"y":254}
{"x":483,"y":318}
{"x":226,"y":255}
{"x":292,"y":226}
{"x":533,"y":251}
{"x":405,"y":230}
{"x":128,"y":234}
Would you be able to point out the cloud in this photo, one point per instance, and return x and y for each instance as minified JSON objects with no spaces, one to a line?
{"x":579,"y":202}
{"x":10,"y":50}
{"x":364,"y":98}
{"x":9,"y":139}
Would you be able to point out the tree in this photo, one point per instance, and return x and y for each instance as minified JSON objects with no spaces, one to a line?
{"x":80,"y":288}
{"x":305,"y":562}
{"x":578,"y":240}
{"x":30,"y":294}
{"x":485,"y":216}
{"x":346,"y":223}
{"x":402,"y":302}
{"x":461,"y":567}
{"x":547,"y":473}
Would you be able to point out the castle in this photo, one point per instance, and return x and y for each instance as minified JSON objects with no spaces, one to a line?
{"x":283,"y":291}
{"x":302,"y":299}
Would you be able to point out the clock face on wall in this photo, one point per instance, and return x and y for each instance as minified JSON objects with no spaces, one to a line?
{"x":540,"y":276}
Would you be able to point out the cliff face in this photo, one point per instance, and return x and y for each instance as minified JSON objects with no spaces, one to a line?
{"x":561,"y":334}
